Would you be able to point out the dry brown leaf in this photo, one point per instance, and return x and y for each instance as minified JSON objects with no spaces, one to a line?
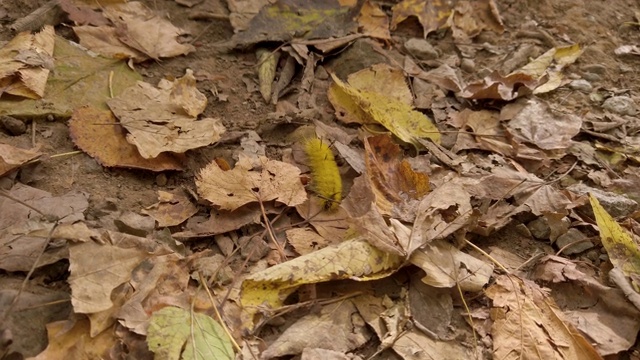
{"x":25,"y":63}
{"x":536,"y":124}
{"x":104,"y":41}
{"x":97,"y":269}
{"x":528,"y":324}
{"x":221,"y":221}
{"x":602,"y":313}
{"x":498,"y":87}
{"x":373,"y":21}
{"x":145,"y":31}
{"x":242,"y":185}
{"x":305,"y":241}
{"x":173,"y":208}
{"x":23,"y":231}
{"x":446,"y":266}
{"x":433,"y":15}
{"x":157,"y":125}
{"x":392,"y":180}
{"x":70,"y":339}
{"x":98,"y":134}
{"x":338,"y":327}
{"x":12,"y":157}
{"x":444,"y":211}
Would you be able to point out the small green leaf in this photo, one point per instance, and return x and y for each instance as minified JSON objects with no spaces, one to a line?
{"x":173,"y":329}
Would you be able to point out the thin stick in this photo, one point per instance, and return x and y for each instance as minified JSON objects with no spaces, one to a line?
{"x":215,"y":308}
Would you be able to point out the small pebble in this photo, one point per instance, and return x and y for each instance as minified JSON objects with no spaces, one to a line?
{"x":592,"y":77}
{"x":161,"y":179}
{"x":577,"y":239}
{"x":622,"y":105}
{"x":13,"y":126}
{"x":581,"y":85}
{"x":467,"y":65}
{"x":421,"y":49}
{"x":595,"y":69}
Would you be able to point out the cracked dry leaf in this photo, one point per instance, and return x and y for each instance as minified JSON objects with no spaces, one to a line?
{"x":242,"y":185}
{"x":527,"y":324}
{"x":176,"y":333}
{"x":353,"y":259}
{"x":362,"y":101}
{"x":623,"y":251}
{"x":25,"y":63}
{"x":373,"y":21}
{"x":158,"y":125}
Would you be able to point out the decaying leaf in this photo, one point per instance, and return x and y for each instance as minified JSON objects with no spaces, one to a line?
{"x":604,"y":314}
{"x":176,"y":333}
{"x":23,"y":232}
{"x":267,"y":63}
{"x":156,"y":124}
{"x":25,"y":63}
{"x":243,"y":184}
{"x":527,"y":324}
{"x":373,"y":21}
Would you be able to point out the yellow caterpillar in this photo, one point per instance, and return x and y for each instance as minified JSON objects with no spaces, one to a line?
{"x":325,"y":176}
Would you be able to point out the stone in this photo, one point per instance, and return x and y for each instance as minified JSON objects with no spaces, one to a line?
{"x":13,"y":126}
{"x":539,"y":228}
{"x":616,"y":205}
{"x":421,"y":49}
{"x":135,"y":224}
{"x":575,"y":241}
{"x":467,"y":65}
{"x":581,"y":85}
{"x":595,"y":69}
{"x":622,"y":105}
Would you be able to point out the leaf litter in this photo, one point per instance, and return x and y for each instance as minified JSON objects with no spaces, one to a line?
{"x":244,"y":245}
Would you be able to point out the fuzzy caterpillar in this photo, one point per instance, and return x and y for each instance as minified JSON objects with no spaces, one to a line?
{"x":325,"y":176}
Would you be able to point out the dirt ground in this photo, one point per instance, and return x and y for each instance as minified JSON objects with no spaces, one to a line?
{"x":600,"y":26}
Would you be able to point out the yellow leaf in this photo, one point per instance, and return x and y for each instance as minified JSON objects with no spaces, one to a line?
{"x":360,"y":103}
{"x":623,"y":251}
{"x":551,"y":64}
{"x":355,"y":259}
